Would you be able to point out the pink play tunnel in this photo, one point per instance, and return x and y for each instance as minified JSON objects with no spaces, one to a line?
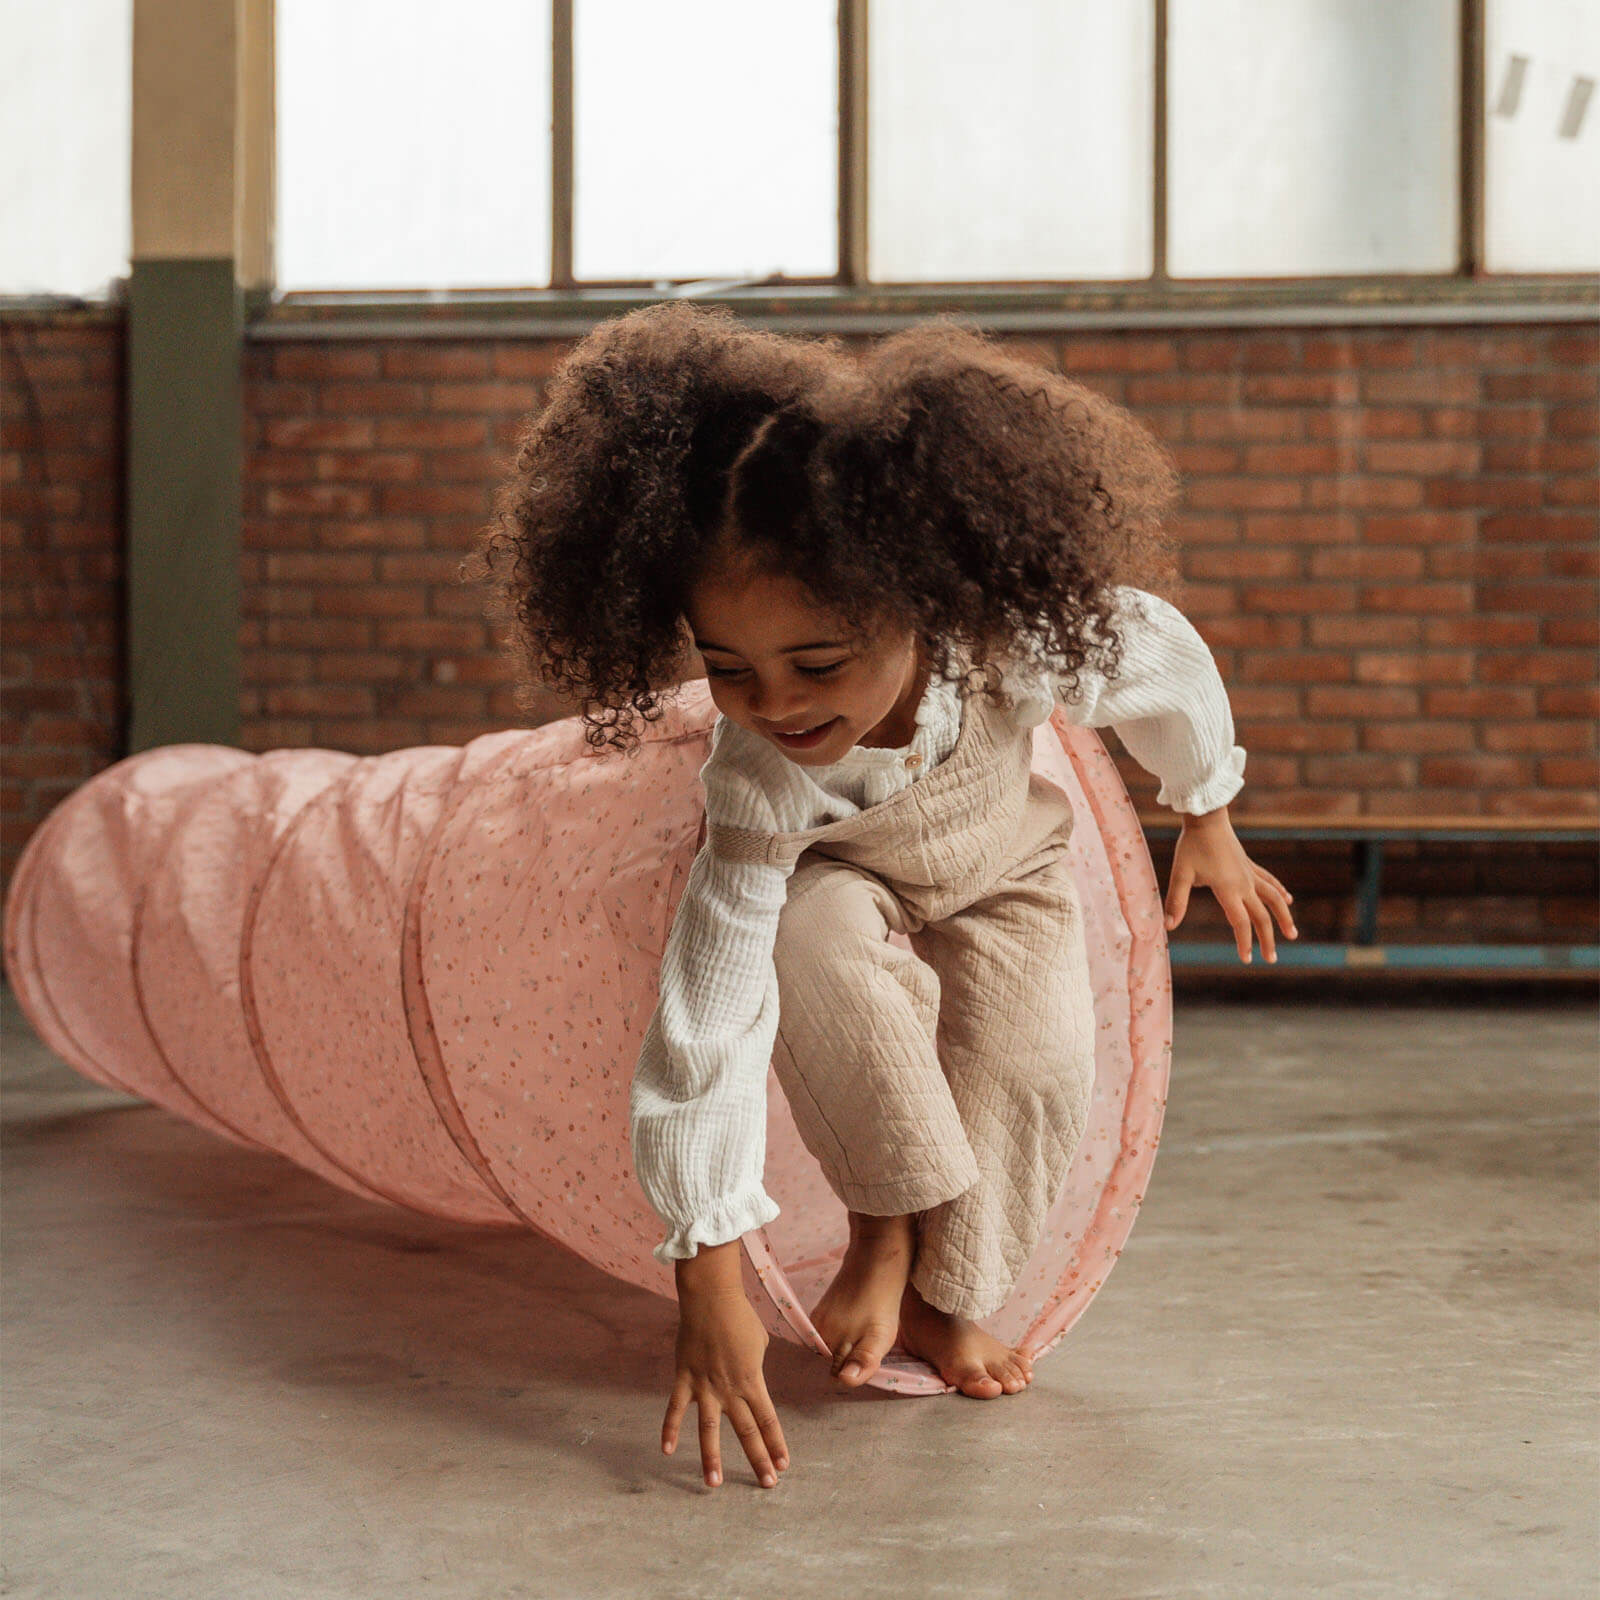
{"x":425,"y":976}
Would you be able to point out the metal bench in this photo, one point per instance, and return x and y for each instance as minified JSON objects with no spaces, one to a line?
{"x":1368,"y":835}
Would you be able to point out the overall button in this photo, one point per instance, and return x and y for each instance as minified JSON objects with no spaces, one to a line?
{"x":913,"y":760}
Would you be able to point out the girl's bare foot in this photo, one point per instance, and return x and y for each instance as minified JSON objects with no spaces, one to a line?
{"x":859,"y":1314}
{"x":960,"y":1351}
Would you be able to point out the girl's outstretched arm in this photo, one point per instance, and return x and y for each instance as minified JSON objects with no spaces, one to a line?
{"x":1169,"y":707}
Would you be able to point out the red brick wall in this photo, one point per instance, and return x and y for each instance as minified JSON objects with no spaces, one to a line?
{"x":62,"y":716}
{"x":1390,"y":547}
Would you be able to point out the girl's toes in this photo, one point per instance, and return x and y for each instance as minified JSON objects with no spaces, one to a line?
{"x":976,"y":1381}
{"x":1009,"y":1376}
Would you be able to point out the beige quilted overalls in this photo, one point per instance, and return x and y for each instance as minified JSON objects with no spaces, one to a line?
{"x":953,"y":1082}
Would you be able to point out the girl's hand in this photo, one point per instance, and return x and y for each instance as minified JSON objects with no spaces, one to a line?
{"x":1209,"y":852}
{"x":721,"y":1344}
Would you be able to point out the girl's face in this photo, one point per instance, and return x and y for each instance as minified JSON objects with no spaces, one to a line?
{"x":776,"y":664}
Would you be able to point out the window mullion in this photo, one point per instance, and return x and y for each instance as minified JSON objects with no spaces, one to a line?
{"x":561,"y":122}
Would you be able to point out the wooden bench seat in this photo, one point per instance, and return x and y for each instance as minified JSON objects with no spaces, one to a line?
{"x":1368,"y":835}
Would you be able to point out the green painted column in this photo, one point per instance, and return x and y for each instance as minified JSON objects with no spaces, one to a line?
{"x":184,"y":502}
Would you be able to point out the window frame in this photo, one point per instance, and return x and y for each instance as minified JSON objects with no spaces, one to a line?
{"x":846,"y":299}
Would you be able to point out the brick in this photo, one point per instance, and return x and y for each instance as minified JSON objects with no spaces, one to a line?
{"x":373,"y":399}
{"x":1482,"y":491}
{"x":1359,"y":771}
{"x":1584,"y":491}
{"x":318,"y":500}
{"x":1303,"y":528}
{"x":1241,"y":632}
{"x":1499,"y":702}
{"x":1579,"y":346}
{"x":1577,"y":421}
{"x":1323,"y":389}
{"x":395,"y":532}
{"x":1546,"y":386}
{"x":1476,"y":771}
{"x":426,"y":359}
{"x":431,"y":634}
{"x":496,"y":394}
{"x":1183,"y":389}
{"x":432,"y":433}
{"x":1363,"y":701}
{"x":1454,"y":422}
{"x":1426,"y":388}
{"x":1298,"y":597}
{"x":322,"y":362}
{"x":1535,"y":667}
{"x":1306,"y":666}
{"x":1292,"y":735}
{"x":1296,"y":458}
{"x":1420,"y":527}
{"x":1490,"y":562}
{"x":368,"y":466}
{"x":1540,"y":738}
{"x":1543,"y":598}
{"x":1360,"y":493}
{"x":1427,"y":666}
{"x":369,"y":601}
{"x":1206,"y":458}
{"x":424,"y":499}
{"x":1237,"y":562}
{"x":1248,"y":701}
{"x":1570,"y":772}
{"x":279,"y":466}
{"x":1419,"y":597}
{"x":1509,"y":422}
{"x":318,"y":433}
{"x":1539,"y":803}
{"x":1479,"y":349}
{"x":1390,"y":350}
{"x":541,"y":360}
{"x":1573,"y":561}
{"x":1537,"y":526}
{"x":1366,"y":422}
{"x":1570,"y":701}
{"x":1422,"y":458}
{"x":1118,"y":353}
{"x":421,"y":567}
{"x":1247,"y":425}
{"x":1363,"y":561}
{"x":1418,"y":738}
{"x":318,"y":567}
{"x":1376,"y":631}
{"x":1578,"y":630}
{"x":1481,"y":630}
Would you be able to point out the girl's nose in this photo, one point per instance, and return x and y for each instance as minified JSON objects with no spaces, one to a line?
{"x":774,"y":705}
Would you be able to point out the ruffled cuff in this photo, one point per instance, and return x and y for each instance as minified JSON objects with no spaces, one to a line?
{"x":1216,"y":790}
{"x":729,"y":1219}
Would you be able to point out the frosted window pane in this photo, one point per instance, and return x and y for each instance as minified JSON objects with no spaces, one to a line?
{"x":1542,"y":149}
{"x":66,"y":140}
{"x":413,"y":144}
{"x":1010,"y":141}
{"x":705,"y":139}
{"x":1312,"y":136}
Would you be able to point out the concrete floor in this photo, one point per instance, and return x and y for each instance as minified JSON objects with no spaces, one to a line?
{"x":1350,"y":1351}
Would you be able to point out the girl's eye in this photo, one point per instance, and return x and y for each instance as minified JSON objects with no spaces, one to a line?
{"x":810,"y":672}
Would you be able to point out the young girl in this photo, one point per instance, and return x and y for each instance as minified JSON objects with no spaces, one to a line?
{"x":893,"y":569}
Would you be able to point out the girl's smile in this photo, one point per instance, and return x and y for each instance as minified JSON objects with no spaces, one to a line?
{"x":786,"y":671}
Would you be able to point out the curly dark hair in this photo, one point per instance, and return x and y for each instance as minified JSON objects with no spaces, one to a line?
{"x":936,"y":482}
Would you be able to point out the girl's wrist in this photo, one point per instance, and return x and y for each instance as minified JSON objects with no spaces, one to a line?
{"x":714,"y":1269}
{"x":1202,"y":819}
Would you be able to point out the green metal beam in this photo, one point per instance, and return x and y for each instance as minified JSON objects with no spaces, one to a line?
{"x":185,"y":328}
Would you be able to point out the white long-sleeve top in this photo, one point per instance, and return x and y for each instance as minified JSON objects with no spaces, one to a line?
{"x":698,"y":1104}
